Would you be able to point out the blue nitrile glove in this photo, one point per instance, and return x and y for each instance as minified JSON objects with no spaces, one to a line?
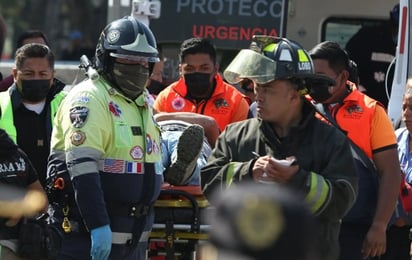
{"x":101,"y":242}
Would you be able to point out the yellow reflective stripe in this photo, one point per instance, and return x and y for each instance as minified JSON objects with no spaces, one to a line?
{"x":231,"y":170}
{"x":318,"y":192}
{"x":302,"y":56}
{"x":270,"y":47}
{"x":229,"y":174}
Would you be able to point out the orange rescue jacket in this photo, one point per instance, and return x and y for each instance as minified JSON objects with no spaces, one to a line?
{"x":226,"y":105}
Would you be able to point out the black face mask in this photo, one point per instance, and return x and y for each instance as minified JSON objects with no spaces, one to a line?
{"x":34,"y":90}
{"x":155,"y":87}
{"x":130,"y":78}
{"x":198,"y":84}
{"x":319,"y":93}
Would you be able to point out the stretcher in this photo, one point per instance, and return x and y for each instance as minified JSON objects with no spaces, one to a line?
{"x":178,"y":228}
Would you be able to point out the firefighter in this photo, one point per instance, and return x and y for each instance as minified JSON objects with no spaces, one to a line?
{"x":105,"y":167}
{"x":286,"y":143}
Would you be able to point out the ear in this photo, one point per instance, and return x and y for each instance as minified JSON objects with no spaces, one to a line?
{"x":52,"y":78}
{"x":295,"y":96}
{"x":14,"y":72}
{"x":345,"y":76}
{"x":180,"y":70}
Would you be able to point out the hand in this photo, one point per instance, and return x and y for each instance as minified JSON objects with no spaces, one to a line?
{"x":101,"y":242}
{"x":269,"y":169}
{"x":375,"y":242}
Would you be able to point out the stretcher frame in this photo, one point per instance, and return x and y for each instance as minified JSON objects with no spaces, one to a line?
{"x":180,"y":236}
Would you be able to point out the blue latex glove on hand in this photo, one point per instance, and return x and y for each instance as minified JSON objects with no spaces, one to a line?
{"x":101,"y":242}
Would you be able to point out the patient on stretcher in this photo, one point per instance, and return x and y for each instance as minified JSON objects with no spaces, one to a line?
{"x":186,"y":145}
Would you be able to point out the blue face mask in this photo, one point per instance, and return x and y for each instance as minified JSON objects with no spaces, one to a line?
{"x":198,"y":84}
{"x":34,"y":90}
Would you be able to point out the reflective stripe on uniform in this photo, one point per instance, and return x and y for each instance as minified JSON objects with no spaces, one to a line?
{"x":231,"y":170}
{"x":318,"y":192}
{"x":7,"y":117}
{"x":123,"y":238}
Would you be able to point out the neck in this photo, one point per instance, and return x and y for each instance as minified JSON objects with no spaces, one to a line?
{"x":282,"y":128}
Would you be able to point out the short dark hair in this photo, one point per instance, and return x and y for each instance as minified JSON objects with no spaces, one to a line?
{"x":195,"y":46}
{"x":33,"y":50}
{"x":30,"y":34}
{"x":337,"y":57}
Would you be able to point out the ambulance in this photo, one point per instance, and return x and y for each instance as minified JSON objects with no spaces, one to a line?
{"x":230,"y":24}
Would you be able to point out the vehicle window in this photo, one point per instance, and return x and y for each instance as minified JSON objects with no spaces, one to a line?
{"x":341,"y":29}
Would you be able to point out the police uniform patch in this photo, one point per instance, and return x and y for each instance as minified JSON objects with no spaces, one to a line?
{"x":149,"y":144}
{"x":136,"y":130}
{"x":77,"y":138}
{"x":113,"y":36}
{"x":81,"y":99}
{"x":178,"y":103}
{"x":155,"y":148}
{"x":114,"y":109}
{"x":78,"y":116}
{"x":112,"y":91}
{"x":136,"y":152}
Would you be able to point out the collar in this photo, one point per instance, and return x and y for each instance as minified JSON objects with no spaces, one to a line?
{"x":15,"y":97}
{"x":353,"y":94}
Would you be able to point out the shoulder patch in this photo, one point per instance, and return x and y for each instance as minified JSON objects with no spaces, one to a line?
{"x":178,"y":103}
{"x":78,"y":137}
{"x":78,"y":115}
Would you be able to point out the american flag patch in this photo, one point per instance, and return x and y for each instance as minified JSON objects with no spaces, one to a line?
{"x":134,"y":167}
{"x":112,"y":165}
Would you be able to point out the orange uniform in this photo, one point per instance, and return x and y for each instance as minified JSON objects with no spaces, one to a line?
{"x":226,"y":104}
{"x":365,"y":122}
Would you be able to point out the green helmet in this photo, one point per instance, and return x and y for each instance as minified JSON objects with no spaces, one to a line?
{"x":271,"y":58}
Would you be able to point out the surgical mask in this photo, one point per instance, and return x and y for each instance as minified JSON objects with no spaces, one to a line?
{"x":198,"y":84}
{"x":34,"y":90}
{"x":130,"y":78}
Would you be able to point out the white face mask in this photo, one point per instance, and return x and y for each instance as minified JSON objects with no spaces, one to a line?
{"x":130,"y":78}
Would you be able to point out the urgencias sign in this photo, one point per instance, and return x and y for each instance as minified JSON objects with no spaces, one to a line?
{"x":230,"y":24}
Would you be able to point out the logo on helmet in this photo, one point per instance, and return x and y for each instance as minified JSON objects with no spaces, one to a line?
{"x":113,"y":36}
{"x":304,"y":66}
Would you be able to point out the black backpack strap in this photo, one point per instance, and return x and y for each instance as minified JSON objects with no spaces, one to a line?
{"x":356,"y":150}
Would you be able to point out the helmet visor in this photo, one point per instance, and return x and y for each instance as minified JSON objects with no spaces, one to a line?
{"x":252,"y":65}
{"x":134,"y":57}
